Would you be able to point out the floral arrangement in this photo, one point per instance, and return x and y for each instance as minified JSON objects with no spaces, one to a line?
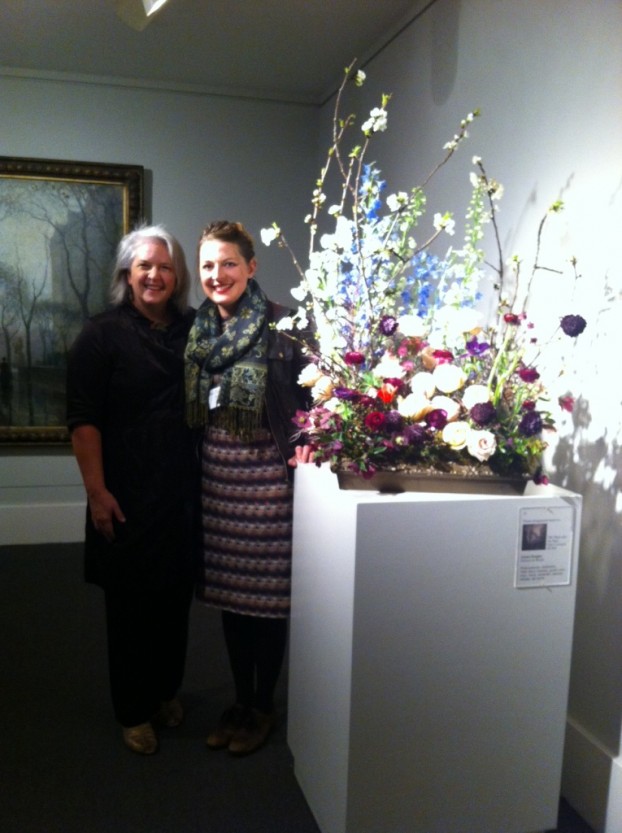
{"x":403,"y":368}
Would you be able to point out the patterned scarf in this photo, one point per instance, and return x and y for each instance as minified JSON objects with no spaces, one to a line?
{"x":238,"y":355}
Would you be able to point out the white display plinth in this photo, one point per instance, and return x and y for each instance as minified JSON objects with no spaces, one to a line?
{"x":427,"y":692}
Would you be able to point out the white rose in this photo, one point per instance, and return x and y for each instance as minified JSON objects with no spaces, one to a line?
{"x":423,"y":384}
{"x":451,"y":408}
{"x":475,"y":395}
{"x":448,"y":377}
{"x":414,"y":406}
{"x":481,"y":444}
{"x":455,"y":434}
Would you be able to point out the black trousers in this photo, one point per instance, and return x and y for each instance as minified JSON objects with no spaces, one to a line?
{"x":147,"y":642}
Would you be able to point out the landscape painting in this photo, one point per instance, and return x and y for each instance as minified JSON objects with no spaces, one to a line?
{"x":60,"y":224}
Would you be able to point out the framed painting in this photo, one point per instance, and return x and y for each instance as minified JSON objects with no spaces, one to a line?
{"x":60,"y":224}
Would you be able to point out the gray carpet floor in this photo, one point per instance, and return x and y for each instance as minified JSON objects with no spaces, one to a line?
{"x":63,"y":767}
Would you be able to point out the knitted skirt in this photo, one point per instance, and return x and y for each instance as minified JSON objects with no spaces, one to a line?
{"x":246,"y":525}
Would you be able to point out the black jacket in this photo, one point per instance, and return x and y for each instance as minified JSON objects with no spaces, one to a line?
{"x":284,"y":396}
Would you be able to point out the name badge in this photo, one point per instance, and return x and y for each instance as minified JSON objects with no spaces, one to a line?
{"x":212,"y":400}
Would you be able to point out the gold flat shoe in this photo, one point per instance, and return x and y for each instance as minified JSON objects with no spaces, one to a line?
{"x":140,"y":739}
{"x":252,"y":734}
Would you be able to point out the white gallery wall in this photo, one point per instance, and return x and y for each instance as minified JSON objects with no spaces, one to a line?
{"x":547,"y":77}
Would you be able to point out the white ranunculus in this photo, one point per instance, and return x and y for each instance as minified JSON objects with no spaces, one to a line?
{"x":388,"y":367}
{"x":322,"y":389}
{"x":451,"y":408}
{"x":481,"y":445}
{"x":455,"y":434}
{"x":309,"y":375}
{"x":423,"y":383}
{"x":414,"y":406}
{"x":448,"y":378}
{"x":475,"y":395}
{"x":411,"y":326}
{"x":453,"y":322}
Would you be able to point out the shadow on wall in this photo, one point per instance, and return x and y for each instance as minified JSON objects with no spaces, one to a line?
{"x":592,"y":469}
{"x":445,"y":33}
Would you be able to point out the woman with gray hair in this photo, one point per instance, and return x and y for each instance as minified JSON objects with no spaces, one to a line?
{"x":125,"y":405}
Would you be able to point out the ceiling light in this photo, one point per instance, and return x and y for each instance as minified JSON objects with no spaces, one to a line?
{"x":137,"y":13}
{"x":151,"y":6}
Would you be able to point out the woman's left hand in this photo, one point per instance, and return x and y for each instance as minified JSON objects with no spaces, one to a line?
{"x":303,"y":454}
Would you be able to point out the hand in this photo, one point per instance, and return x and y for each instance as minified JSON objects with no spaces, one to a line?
{"x":303,"y":454}
{"x":104,"y":511}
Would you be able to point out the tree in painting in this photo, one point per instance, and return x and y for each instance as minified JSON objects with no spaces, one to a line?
{"x":57,"y":245}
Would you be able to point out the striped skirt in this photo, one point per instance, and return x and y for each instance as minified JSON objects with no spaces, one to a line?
{"x":247,"y":525}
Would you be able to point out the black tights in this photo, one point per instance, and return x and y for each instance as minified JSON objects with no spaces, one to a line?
{"x":256,"y":648}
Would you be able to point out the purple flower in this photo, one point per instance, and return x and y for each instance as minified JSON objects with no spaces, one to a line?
{"x":573,"y":325}
{"x":442,"y":356}
{"x":367,"y":401}
{"x":540,"y":478}
{"x":530,"y":424}
{"x":437,"y":419}
{"x":354,"y":357}
{"x":347,"y":394}
{"x":566,"y":403}
{"x":483,"y":413}
{"x":394,"y":421}
{"x":414,"y":435}
{"x":388,"y":325}
{"x":477,"y":348}
{"x":528,"y":374}
{"x":301,"y":420}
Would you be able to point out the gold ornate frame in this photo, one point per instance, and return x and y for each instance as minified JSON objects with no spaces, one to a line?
{"x":60,"y":224}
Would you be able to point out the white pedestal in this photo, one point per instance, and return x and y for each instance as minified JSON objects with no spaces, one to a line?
{"x":427,"y":693}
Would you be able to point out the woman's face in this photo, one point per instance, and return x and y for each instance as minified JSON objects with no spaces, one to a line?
{"x":224,"y":274}
{"x":152,"y":279}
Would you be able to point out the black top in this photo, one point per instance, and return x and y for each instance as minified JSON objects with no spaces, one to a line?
{"x":125,"y":377}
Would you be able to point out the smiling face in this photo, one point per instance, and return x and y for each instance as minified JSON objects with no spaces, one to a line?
{"x":224,"y":273}
{"x":152,"y":279}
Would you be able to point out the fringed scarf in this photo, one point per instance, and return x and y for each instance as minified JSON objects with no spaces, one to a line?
{"x":238,"y":355}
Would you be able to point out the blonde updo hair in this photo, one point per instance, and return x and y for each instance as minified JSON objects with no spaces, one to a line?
{"x":230,"y":232}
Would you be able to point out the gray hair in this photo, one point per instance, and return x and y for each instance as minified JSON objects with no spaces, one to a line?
{"x":126,"y":252}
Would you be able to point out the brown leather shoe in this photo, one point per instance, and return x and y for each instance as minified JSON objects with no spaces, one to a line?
{"x":141,"y":739}
{"x":252,"y":734}
{"x":230,"y":721}
{"x":170,"y":713}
